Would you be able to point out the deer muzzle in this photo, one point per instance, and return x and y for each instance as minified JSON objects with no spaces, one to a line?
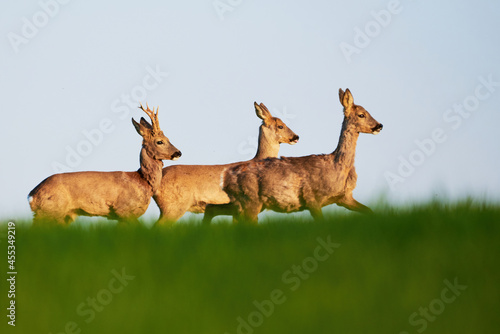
{"x":376,"y":129}
{"x":176,"y":155}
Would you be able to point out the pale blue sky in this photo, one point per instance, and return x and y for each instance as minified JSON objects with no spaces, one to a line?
{"x":422,"y":68}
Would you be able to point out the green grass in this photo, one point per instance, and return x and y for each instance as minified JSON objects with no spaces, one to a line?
{"x":198,"y":279}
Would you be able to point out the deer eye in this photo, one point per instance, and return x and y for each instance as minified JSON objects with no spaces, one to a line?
{"x":361,"y":115}
{"x":159,"y":142}
{"x":280,"y":127}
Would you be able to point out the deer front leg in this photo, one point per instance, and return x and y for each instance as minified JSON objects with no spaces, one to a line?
{"x":316,"y":213}
{"x":169,"y":214}
{"x":166,"y":220}
{"x":249,"y":213}
{"x":351,"y":204}
{"x":129,"y":221}
{"x":248,"y":219}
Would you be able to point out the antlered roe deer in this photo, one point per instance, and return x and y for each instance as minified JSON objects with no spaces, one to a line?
{"x":191,"y":187}
{"x":116,"y":195}
{"x":303,"y":183}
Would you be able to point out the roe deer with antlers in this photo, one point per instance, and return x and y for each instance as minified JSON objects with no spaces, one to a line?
{"x":115,"y":195}
{"x":303,"y":183}
{"x":191,"y":187}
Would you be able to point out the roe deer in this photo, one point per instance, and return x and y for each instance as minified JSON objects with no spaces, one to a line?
{"x":191,"y":187}
{"x":303,"y":183}
{"x":115,"y":195}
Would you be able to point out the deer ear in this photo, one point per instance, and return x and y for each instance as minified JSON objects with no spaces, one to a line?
{"x":262,"y":112}
{"x":146,"y":124}
{"x":346,"y":98}
{"x":341,"y":95}
{"x":138,"y":127}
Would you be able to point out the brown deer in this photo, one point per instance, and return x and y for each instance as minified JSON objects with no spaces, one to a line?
{"x":303,"y":183}
{"x":191,"y":187}
{"x":123,"y":196}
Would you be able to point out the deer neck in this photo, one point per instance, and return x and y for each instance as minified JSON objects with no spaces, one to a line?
{"x":151,"y":170}
{"x":345,"y":152}
{"x":268,"y":147}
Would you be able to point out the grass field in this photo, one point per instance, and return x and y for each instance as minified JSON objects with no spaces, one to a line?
{"x":432,"y":268}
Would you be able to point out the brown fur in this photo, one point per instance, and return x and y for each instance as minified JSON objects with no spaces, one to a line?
{"x":192,"y":187}
{"x":302,"y":183}
{"x":115,"y":195}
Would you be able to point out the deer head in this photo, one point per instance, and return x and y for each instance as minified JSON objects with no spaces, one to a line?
{"x":275,"y":126}
{"x":156,"y":144}
{"x":356,"y":116}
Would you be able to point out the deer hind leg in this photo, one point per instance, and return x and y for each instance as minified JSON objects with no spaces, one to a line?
{"x":52,"y":209}
{"x":350,"y":203}
{"x":210,"y":213}
{"x":47,"y":219}
{"x":214,"y":210}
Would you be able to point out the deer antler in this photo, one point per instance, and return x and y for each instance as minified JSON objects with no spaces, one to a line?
{"x":153,"y":116}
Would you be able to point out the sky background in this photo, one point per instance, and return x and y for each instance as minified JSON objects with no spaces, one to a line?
{"x":429,"y":71}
